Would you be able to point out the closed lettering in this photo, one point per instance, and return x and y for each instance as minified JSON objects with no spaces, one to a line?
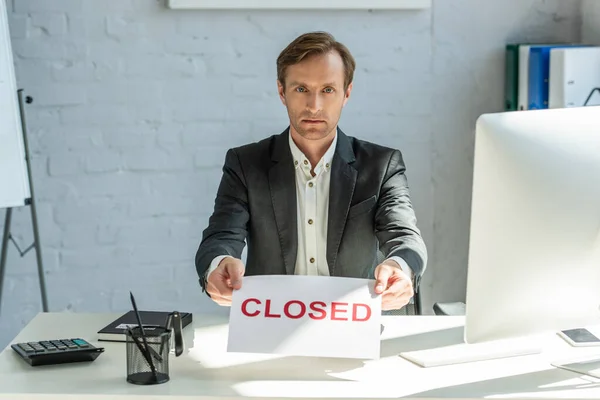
{"x":315,"y":310}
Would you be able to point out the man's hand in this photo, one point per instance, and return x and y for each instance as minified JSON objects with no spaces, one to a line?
{"x":224,"y":279}
{"x":393,"y":284}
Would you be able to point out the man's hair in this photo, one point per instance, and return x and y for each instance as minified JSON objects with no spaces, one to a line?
{"x":310,"y":44}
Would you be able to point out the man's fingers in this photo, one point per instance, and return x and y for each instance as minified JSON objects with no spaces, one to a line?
{"x":223,"y":295}
{"x":218,"y":286}
{"x":235,"y":272}
{"x":397,"y":295}
{"x":398,"y":287}
{"x":224,"y":279}
{"x":393,"y":296}
{"x":221,"y":300}
{"x":382,"y":274}
{"x":390,"y":302}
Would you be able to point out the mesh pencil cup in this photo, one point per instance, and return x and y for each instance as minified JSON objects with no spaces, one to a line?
{"x":151,"y":366}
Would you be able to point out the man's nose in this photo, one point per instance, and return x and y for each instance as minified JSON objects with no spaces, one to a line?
{"x":314,"y":103}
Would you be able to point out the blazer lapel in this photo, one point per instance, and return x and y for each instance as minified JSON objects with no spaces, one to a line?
{"x":341,"y":190}
{"x":282,"y":185}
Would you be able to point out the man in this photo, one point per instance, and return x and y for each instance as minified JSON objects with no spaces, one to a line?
{"x":311,"y":200}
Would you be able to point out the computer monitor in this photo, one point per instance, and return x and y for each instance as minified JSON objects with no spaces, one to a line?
{"x":534,"y":252}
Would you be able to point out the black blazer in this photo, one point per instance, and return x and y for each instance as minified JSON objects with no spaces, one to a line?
{"x":369,"y":209}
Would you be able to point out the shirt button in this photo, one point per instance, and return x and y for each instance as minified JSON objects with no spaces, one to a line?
{"x":312,"y":260}
{"x":327,"y":165}
{"x":310,"y":184}
{"x":295,"y":162}
{"x":310,"y":221}
{"x":305,"y":162}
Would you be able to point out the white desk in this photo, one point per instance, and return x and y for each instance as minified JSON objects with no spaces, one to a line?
{"x":206,"y":371}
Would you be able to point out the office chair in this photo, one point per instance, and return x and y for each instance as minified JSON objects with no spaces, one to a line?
{"x":450,"y":308}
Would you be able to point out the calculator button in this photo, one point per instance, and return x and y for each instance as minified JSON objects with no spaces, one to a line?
{"x":36,"y":346}
{"x":80,"y":342}
{"x":69,"y":344}
{"x":25,"y":347}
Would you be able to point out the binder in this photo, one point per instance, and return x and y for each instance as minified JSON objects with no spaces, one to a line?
{"x":523,"y":76}
{"x":523,"y":66}
{"x":539,"y":74}
{"x":574,"y":77}
{"x":511,"y":78}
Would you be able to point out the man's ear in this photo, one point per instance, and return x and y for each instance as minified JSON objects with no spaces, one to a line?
{"x":347,"y":94}
{"x":281,"y":91}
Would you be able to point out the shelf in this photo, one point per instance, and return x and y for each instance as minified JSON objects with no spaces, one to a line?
{"x":300,"y":4}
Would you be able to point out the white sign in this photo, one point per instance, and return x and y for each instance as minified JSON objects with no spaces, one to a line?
{"x":299,"y":315}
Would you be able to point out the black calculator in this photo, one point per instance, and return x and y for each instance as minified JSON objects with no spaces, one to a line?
{"x":59,"y":351}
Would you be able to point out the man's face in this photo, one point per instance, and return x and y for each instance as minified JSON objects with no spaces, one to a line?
{"x":314,"y":95}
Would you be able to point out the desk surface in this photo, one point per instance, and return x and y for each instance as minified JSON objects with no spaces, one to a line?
{"x":207,"y":371}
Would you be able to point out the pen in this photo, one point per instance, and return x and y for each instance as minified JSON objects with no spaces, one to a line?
{"x":147,"y":352}
{"x":139,"y":346}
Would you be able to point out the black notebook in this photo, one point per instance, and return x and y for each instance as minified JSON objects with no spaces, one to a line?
{"x":115,"y":331}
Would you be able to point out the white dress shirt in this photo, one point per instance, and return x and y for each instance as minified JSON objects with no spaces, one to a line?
{"x":312,"y":198}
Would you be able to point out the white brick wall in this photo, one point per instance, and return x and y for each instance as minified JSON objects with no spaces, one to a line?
{"x":135,"y":106}
{"x":591,"y":21}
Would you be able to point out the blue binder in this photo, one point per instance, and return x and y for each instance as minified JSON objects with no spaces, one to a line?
{"x":539,"y":74}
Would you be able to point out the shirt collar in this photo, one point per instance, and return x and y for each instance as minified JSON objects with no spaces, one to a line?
{"x":300,"y":160}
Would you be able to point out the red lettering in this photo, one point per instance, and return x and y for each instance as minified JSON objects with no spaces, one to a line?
{"x":268,"y":311}
{"x":355,"y":312}
{"x":318,"y":310}
{"x":286,"y":309}
{"x":322,"y":313}
{"x":334,"y":310}
{"x":245,"y":311}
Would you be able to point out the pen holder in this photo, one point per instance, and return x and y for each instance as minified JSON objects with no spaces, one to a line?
{"x":148,"y":367}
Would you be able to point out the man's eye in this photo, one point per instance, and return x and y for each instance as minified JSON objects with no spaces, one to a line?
{"x":329,"y":90}
{"x":300,"y":89}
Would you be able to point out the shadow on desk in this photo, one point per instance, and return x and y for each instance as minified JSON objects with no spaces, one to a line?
{"x":422,"y":341}
{"x":548,"y":383}
{"x":282,"y":369}
{"x":232,"y":367}
{"x":212,"y":361}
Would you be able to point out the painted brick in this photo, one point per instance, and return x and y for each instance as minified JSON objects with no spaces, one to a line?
{"x":48,"y":24}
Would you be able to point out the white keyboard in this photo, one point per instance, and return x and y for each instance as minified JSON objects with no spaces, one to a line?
{"x":463,"y":352}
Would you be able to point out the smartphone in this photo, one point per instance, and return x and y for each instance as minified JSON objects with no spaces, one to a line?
{"x":579,"y":337}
